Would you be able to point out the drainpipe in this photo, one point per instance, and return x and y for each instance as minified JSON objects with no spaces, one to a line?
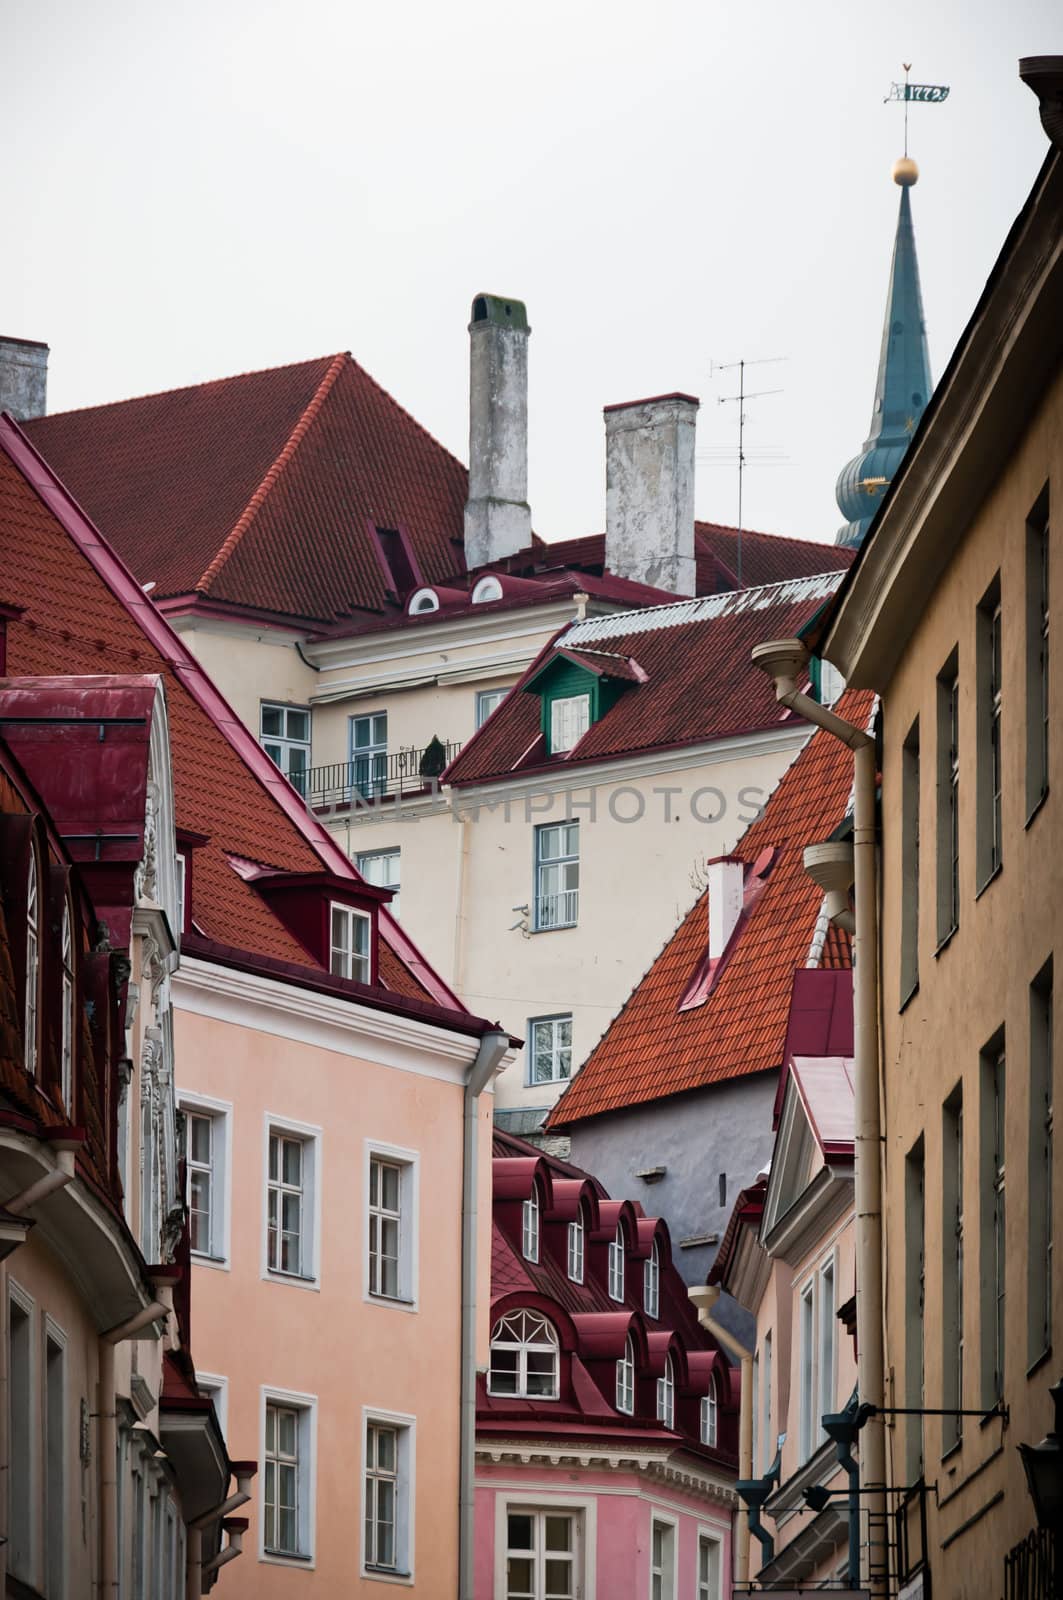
{"x":108,"y":1441}
{"x":58,"y":1178}
{"x":783,"y":660}
{"x":195,"y":1571}
{"x":489,"y":1057}
{"x":235,"y":1527}
{"x":705,"y":1296}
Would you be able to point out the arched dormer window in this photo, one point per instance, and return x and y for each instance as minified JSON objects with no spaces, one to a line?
{"x":66,"y":1049}
{"x":651,"y":1283}
{"x":577,"y":1234}
{"x":485,"y":589}
{"x":529,"y":1242}
{"x":666,"y":1395}
{"x":33,"y":966}
{"x":625,"y":1379}
{"x":525,"y":1358}
{"x":424,"y":600}
{"x":710,"y":1415}
{"x":616,"y":1265}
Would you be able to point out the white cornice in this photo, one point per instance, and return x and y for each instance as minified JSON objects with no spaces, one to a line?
{"x":665,"y":1466}
{"x":287,"y":1011}
{"x":474,"y":669}
{"x":362,"y":650}
{"x":248,"y":632}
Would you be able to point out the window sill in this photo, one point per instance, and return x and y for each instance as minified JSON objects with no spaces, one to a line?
{"x":1040,"y":1361}
{"x":396,"y":1302}
{"x":294,"y":1280}
{"x":946,"y":939}
{"x":1037,"y":807}
{"x":908,"y":997}
{"x":203,"y":1258}
{"x":555,"y":927}
{"x":287,"y":1558}
{"x":953,"y":1450}
{"x":387,"y":1574}
{"x":992,"y":878}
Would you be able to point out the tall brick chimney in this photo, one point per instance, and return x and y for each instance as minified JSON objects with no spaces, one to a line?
{"x":497,"y":514}
{"x":23,"y":377}
{"x":649,"y":491}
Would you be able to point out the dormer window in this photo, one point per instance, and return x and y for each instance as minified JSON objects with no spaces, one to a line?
{"x":616,"y":1265}
{"x":651,"y":1283}
{"x":530,"y":1226}
{"x":569,"y":720}
{"x":33,"y":966}
{"x":666,"y":1395}
{"x":350,"y":943}
{"x":525,"y":1358}
{"x":424,"y":600}
{"x":710,"y":1415}
{"x":66,"y":1047}
{"x":486,"y":589}
{"x":576,"y":1248}
{"x":625,"y":1379}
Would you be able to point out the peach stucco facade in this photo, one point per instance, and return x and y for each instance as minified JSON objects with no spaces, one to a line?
{"x":349,"y":1083}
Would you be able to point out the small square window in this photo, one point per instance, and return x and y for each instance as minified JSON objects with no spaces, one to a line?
{"x":382,"y":868}
{"x":550,"y":1049}
{"x":569,"y":720}
{"x":349,"y":954}
{"x":488,"y":700}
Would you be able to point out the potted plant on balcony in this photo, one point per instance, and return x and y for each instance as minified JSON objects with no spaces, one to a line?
{"x":433,"y":759}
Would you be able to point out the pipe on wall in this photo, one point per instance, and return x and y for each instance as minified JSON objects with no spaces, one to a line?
{"x":705,"y":1296}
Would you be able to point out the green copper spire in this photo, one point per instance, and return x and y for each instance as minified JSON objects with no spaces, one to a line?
{"x":903,"y":386}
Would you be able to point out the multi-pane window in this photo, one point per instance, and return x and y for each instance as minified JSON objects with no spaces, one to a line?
{"x":989,"y":751}
{"x":284,"y":734}
{"x":817,"y":1362}
{"x":385,"y":1227}
{"x":651,"y":1282}
{"x":281,"y":1490}
{"x":952,"y":1327}
{"x":625,"y":1379}
{"x":948,"y":799}
{"x":910,"y":863}
{"x":381,"y":1495}
{"x":542,"y":1555}
{"x":33,"y":965}
{"x":666,"y":1394}
{"x":577,"y":1236}
{"x":369,"y":754}
{"x":1040,"y":1160}
{"x":287,"y":1219}
{"x":827,"y":1325}
{"x":569,"y":720}
{"x":66,"y":1047}
{"x":550,"y":1052}
{"x":616,"y":1265}
{"x":915,"y":1304}
{"x":807,"y":1369}
{"x":993,"y":1241}
{"x":524,"y":1357}
{"x":349,"y":943}
{"x":530,"y":1226}
{"x":995,"y":681}
{"x":709,"y":1568}
{"x":488,"y":700}
{"x":382,"y":868}
{"x":1037,"y":618}
{"x":556,"y":875}
{"x":199,"y":1136}
{"x":662,"y":1560}
{"x":710,"y":1415}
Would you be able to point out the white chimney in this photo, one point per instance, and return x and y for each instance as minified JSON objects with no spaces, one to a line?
{"x":23,"y":377}
{"x":497,"y":514}
{"x":649,"y":491}
{"x":726,"y":893}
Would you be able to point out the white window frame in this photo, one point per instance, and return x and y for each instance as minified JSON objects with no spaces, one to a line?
{"x":564,"y":901}
{"x":285,"y":743}
{"x":806,"y":1356}
{"x":311,"y":1138}
{"x":625,"y":1379}
{"x":568,"y":728}
{"x":409,"y":1163}
{"x":523,"y":1346}
{"x":554,"y":1023}
{"x":584,"y":1508}
{"x":364,"y":860}
{"x":666,"y":1394}
{"x":577,"y":1248}
{"x":616,"y":1265}
{"x":221,"y":1115}
{"x":668,"y":1572}
{"x":367,"y":764}
{"x":651,"y":1283}
{"x":826,"y":1340}
{"x":20,"y":1297}
{"x":714,"y":1537}
{"x":488,"y":700}
{"x":405,"y":1495}
{"x":529,"y":1226}
{"x":359,"y":962}
{"x":306,"y":1476}
{"x":31,"y":1038}
{"x":710,"y":1416}
{"x":68,"y":1011}
{"x":212,"y":1386}
{"x":815,"y":1349}
{"x":55,"y":1576}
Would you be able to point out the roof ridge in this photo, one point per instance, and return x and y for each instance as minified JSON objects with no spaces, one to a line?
{"x":186,"y":388}
{"x":761,"y":533}
{"x":295,"y":438}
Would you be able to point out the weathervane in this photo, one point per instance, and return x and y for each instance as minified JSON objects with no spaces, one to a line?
{"x":924,"y":93}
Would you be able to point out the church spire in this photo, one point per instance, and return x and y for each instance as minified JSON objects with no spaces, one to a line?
{"x":903,"y":385}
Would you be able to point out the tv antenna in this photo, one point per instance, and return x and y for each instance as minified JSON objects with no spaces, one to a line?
{"x":741,"y":397}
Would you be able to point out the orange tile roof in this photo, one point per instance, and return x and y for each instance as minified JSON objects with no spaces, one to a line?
{"x":652,"y":1049}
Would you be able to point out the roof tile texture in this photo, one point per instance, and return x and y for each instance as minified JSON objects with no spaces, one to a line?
{"x":652,"y":1049}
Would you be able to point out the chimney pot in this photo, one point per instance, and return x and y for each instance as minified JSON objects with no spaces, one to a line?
{"x":649,"y":491}
{"x":23,"y":377}
{"x":726,"y":878}
{"x":497,"y":514}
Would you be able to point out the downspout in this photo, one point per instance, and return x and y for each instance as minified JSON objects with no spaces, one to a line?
{"x":58,"y":1178}
{"x":704,"y":1297}
{"x":489,"y":1057}
{"x":108,"y":1441}
{"x":235,"y":1527}
{"x":783,"y":660}
{"x":195,"y":1571}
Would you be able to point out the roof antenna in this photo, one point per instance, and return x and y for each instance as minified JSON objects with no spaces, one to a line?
{"x":741,"y":397}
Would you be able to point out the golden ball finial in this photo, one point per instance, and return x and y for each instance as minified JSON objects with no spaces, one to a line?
{"x":905,"y":172}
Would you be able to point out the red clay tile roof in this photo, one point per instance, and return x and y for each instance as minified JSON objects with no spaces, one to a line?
{"x":652,"y":1049}
{"x":224,"y":488}
{"x":83,"y":612}
{"x":701,"y":683}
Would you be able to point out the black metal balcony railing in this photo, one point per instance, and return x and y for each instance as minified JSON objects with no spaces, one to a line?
{"x":363,"y":780}
{"x":1031,"y":1569}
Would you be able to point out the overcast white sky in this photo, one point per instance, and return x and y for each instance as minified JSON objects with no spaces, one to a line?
{"x":212,"y":186}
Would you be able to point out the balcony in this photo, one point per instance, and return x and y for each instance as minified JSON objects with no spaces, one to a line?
{"x":369,"y":779}
{"x":557,"y":910}
{"x":1032,"y":1568}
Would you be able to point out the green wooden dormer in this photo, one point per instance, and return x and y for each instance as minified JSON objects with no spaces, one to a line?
{"x":576,"y":688}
